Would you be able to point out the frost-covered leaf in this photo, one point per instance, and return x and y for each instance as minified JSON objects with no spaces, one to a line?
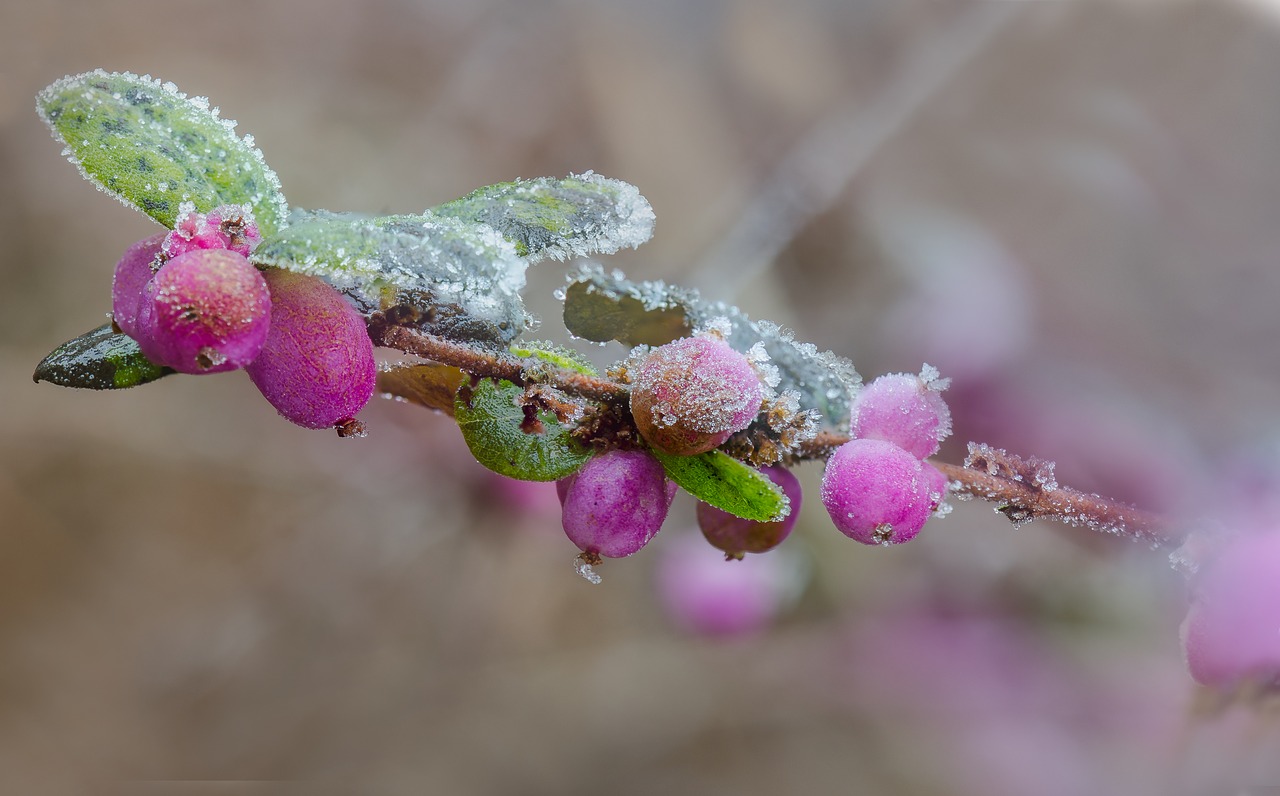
{"x":560,"y":218}
{"x":602,"y":306}
{"x":452,"y":278}
{"x":99,"y":360}
{"x":555,"y":355}
{"x":722,"y":481}
{"x":428,"y":384}
{"x":501,"y":437}
{"x":153,"y":147}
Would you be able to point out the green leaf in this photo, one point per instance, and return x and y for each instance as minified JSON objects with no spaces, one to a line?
{"x":99,"y":360}
{"x":431,"y":385}
{"x":728,"y":484}
{"x":555,"y":355}
{"x":559,"y":218}
{"x":497,"y":431}
{"x":602,"y":306}
{"x":455,"y":279}
{"x":153,"y":147}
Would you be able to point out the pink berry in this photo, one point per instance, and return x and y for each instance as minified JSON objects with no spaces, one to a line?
{"x":736,"y":536}
{"x":225,"y":227}
{"x":905,"y":410}
{"x":1232,"y":631}
{"x":876,"y":492}
{"x":615,"y":503}
{"x":689,"y":396}
{"x":131,"y":276}
{"x":204,"y":312}
{"x":936,"y":486}
{"x":316,"y":367}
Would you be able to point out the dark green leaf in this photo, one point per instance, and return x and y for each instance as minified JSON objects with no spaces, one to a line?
{"x":728,"y":484}
{"x":559,"y":218}
{"x":153,"y":147}
{"x":497,"y":430}
{"x":99,"y":360}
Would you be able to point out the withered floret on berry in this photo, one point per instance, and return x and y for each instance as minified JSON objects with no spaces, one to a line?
{"x":689,"y":396}
{"x":316,"y":366}
{"x":206,"y":311}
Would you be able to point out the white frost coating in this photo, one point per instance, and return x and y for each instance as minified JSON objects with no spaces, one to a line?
{"x":586,"y":572}
{"x":763,"y":365}
{"x":627,"y":223}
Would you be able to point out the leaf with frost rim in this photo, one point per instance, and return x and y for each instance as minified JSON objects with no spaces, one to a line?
{"x":101,"y":359}
{"x":153,"y":147}
{"x":490,"y":425}
{"x":720,"y":480}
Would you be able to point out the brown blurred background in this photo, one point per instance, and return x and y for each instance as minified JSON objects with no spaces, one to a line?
{"x":1070,"y":208}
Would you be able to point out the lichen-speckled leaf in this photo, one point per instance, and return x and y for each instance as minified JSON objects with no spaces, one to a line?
{"x":601,"y":306}
{"x":153,"y":147}
{"x":462,"y":279}
{"x":491,"y":419}
{"x":426,"y":384}
{"x":728,"y":484}
{"x":560,"y":218}
{"x":99,"y":360}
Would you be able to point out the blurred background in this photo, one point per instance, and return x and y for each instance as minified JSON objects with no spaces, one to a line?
{"x":1069,"y":208}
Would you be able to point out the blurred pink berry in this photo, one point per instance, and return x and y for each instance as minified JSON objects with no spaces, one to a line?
{"x":903,"y":409}
{"x":705,"y":594}
{"x":736,"y":536}
{"x":316,"y":367}
{"x":1232,"y":631}
{"x":204,"y":312}
{"x":690,"y":395}
{"x":131,"y":276}
{"x":876,"y":492}
{"x":615,"y":503}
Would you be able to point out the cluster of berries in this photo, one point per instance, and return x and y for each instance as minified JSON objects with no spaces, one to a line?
{"x":689,"y":396}
{"x":194,"y":303}
{"x":877,"y":487}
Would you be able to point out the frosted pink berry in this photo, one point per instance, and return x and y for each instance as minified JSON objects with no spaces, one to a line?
{"x":689,"y":396}
{"x":228,"y":227}
{"x":615,"y":503}
{"x":204,"y":312}
{"x":131,"y":276}
{"x":316,"y":367}
{"x":906,"y":410}
{"x":736,"y":536}
{"x":936,"y":486}
{"x":876,"y":492}
{"x":1232,"y":631}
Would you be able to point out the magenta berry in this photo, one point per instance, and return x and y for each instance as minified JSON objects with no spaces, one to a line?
{"x":736,"y":536}
{"x":936,"y":487}
{"x":204,"y":312}
{"x":316,"y":367}
{"x":1232,"y":631}
{"x":131,"y":276}
{"x":615,"y":503}
{"x":228,"y":227}
{"x":906,"y":410}
{"x":876,"y":492}
{"x":689,"y":396}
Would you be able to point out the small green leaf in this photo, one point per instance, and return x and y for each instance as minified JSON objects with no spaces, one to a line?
{"x":99,"y":360}
{"x":497,"y":430}
{"x":460,"y":280}
{"x":559,"y":218}
{"x":728,"y":484}
{"x":430,"y":385}
{"x":558,"y":356}
{"x":153,"y":147}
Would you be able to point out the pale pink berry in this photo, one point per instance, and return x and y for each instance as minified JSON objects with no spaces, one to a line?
{"x":936,"y":486}
{"x":204,"y":312}
{"x":736,"y":536}
{"x":316,"y":367}
{"x":615,"y":503}
{"x":876,"y":492}
{"x":131,"y":276}
{"x":689,"y":396}
{"x":1232,"y":631}
{"x":906,"y":410}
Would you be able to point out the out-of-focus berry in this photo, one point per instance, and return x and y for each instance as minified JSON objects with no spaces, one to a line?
{"x":876,"y":492}
{"x":205,"y":311}
{"x":905,"y":410}
{"x":615,"y":503}
{"x":690,"y":395}
{"x":1232,"y":631}
{"x":131,"y":276}
{"x":316,"y":367}
{"x":736,"y":536}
